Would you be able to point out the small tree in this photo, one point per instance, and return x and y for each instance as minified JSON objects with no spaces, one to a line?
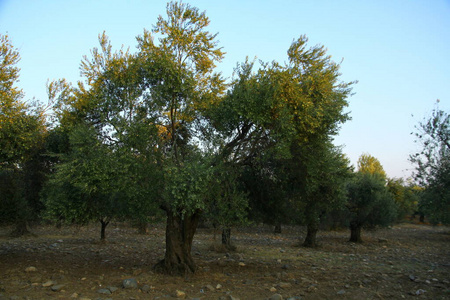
{"x":86,"y":185}
{"x":22,"y":134}
{"x":406,"y":197}
{"x":228,"y":201}
{"x":327,"y":170}
{"x":369,"y":203}
{"x":433,"y":165}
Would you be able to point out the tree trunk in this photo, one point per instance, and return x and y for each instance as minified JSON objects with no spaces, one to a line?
{"x":179,"y":235}
{"x":355,"y":232}
{"x":21,"y":229}
{"x":311,"y":233}
{"x":277,"y":228}
{"x":142,"y":227}
{"x":102,"y":232}
{"x":226,"y":239}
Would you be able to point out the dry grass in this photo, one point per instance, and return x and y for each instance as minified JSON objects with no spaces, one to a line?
{"x":380,"y":268}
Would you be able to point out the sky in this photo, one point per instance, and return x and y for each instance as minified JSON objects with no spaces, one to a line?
{"x":397,"y":50}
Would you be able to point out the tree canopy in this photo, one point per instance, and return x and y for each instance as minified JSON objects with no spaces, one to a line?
{"x":22,"y":134}
{"x":433,"y":165}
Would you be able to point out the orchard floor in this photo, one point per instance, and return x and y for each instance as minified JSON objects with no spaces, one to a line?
{"x":404,"y":262}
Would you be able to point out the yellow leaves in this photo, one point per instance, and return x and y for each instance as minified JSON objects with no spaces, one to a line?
{"x":164,"y":133}
{"x":369,"y":164}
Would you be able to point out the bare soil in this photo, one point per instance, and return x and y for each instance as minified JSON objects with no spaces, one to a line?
{"x":404,"y":262}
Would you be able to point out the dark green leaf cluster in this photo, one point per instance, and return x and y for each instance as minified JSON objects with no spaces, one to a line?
{"x":433,"y":166}
{"x":369,"y":202}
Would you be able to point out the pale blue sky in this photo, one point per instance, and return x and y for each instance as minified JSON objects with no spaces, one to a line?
{"x":397,"y":50}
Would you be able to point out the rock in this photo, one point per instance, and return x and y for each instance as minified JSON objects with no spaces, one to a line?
{"x":104,"y":291}
{"x":74,"y":296}
{"x":48,"y":283}
{"x":146,"y":288}
{"x":218,"y":286}
{"x":241,"y":264}
{"x":30,"y":269}
{"x":273,"y":289}
{"x":180,"y":294}
{"x":284,"y":285}
{"x":112,"y":289}
{"x":412,"y":278}
{"x":210,"y":288}
{"x":285,"y":267}
{"x":130,"y":283}
{"x":341,"y":292}
{"x":58,"y":287}
{"x":295,"y":298}
{"x":276,"y":297}
{"x":420,"y":292}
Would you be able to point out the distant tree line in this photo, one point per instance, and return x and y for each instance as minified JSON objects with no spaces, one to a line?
{"x":160,"y":134}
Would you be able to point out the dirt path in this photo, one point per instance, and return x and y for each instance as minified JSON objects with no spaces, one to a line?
{"x":405,"y":262}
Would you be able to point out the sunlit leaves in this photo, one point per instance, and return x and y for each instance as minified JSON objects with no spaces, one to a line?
{"x":21,"y":125}
{"x":371,"y":165}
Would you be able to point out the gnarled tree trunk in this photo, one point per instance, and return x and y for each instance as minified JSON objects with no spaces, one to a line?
{"x":180,"y":232}
{"x":311,"y":234}
{"x":103,"y":229}
{"x":355,"y":232}
{"x":277,"y":228}
{"x":226,"y":239}
{"x":142,"y":227}
{"x":20,"y":229}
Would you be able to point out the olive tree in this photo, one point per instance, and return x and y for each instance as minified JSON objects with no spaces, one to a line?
{"x":369,"y":201}
{"x":433,"y":165}
{"x":22,"y":135}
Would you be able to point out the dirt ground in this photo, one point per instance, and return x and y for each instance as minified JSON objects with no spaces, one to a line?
{"x":404,"y":262}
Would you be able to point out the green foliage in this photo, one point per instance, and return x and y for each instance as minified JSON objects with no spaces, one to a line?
{"x":406,"y":197}
{"x":271,"y":119}
{"x":156,"y":129}
{"x":22,"y":134}
{"x":369,"y":202}
{"x":21,"y":127}
{"x":433,"y":166}
{"x":323,"y":176}
{"x":84,"y":186}
{"x":267,"y":188}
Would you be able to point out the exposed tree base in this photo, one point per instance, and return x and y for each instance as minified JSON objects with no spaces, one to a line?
{"x":103,"y":230}
{"x":180,"y":230}
{"x":226,"y":240}
{"x":277,"y":228}
{"x":21,"y":229}
{"x":355,"y":234}
{"x":175,"y":269}
{"x":310,"y":240}
{"x":142,"y":228}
